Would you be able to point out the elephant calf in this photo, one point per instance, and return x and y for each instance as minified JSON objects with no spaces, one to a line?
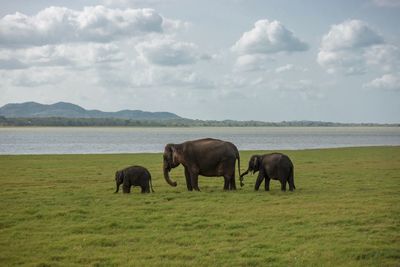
{"x":133,"y":176}
{"x":274,"y":166}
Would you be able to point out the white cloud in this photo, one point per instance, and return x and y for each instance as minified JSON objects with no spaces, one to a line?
{"x":284,"y":68}
{"x":389,"y":82}
{"x":351,"y":34}
{"x":387,"y":3}
{"x":384,"y":56}
{"x":77,"y":55}
{"x":251,"y":62}
{"x":290,"y":67}
{"x":55,"y":25}
{"x":267,"y":38}
{"x":34,"y":77}
{"x":168,"y":52}
{"x":347,"y":62}
{"x":98,"y":43}
{"x":258,"y":47}
{"x":351,"y":46}
{"x":171,"y":25}
{"x":144,"y":75}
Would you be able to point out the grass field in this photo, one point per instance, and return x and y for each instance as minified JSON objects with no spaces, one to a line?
{"x":60,"y":210}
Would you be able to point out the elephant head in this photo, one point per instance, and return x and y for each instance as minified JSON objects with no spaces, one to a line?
{"x":254,"y":166}
{"x":119,"y":179}
{"x":172,"y":157}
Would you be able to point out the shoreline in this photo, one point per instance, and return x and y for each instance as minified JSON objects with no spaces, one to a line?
{"x":334,"y":125}
{"x":240,"y":151}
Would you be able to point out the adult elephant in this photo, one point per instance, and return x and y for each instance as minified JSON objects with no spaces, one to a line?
{"x":276,"y":166}
{"x":207,"y":157}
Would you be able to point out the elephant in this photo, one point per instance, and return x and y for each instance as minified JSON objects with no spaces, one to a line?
{"x":274,"y":166}
{"x":208,"y":157}
{"x":134,"y":176}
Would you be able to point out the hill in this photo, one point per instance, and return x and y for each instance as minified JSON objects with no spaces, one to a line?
{"x":67,"y":114}
{"x":68,"y":110}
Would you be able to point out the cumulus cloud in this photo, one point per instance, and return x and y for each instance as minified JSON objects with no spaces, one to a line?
{"x":350,"y":46}
{"x":78,"y":55}
{"x":268,"y":37}
{"x":55,"y":25}
{"x":168,"y":52}
{"x":101,"y":43}
{"x":350,"y":34}
{"x":389,"y":82}
{"x":347,"y":62}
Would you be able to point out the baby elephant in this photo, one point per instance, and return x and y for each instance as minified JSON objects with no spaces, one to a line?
{"x":133,"y":176}
{"x":275,"y":166}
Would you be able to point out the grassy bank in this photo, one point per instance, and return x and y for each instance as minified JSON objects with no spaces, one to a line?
{"x":61,"y":211}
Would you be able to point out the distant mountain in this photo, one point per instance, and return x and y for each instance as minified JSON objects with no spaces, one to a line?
{"x":68,"y":110}
{"x":67,"y":114}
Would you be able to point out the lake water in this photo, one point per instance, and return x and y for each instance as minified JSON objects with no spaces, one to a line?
{"x":66,"y":140}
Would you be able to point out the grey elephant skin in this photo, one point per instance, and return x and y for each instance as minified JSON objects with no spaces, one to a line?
{"x":206,"y":157}
{"x":274,"y":166}
{"x":133,"y":176}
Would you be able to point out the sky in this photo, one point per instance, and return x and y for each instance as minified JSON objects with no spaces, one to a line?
{"x":261,"y":60}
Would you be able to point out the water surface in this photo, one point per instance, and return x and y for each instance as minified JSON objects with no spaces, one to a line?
{"x":75,"y":140}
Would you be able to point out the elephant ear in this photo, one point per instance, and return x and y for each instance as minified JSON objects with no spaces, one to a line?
{"x":168,"y":152}
{"x":120,"y":175}
{"x":174,"y":155}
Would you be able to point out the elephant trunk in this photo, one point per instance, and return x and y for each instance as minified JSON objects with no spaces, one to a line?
{"x":241,"y":177}
{"x":166,"y":175}
{"x":117,"y":184}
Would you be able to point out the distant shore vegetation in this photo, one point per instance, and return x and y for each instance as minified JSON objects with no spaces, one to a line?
{"x":115,"y":122}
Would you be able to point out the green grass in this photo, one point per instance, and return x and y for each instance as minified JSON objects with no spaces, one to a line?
{"x":60,"y":210}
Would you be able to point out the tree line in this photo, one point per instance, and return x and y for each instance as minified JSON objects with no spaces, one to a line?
{"x":114,"y":122}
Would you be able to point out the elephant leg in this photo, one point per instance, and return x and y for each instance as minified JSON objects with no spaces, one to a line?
{"x":283,"y":183}
{"x":283,"y":179}
{"x":188,"y":180}
{"x":232,"y":183}
{"x":259,"y":180}
{"x":266,"y":185}
{"x":226,"y":183}
{"x":290,"y":182}
{"x":126,"y":189}
{"x":146,"y":188}
{"x":195,"y":181}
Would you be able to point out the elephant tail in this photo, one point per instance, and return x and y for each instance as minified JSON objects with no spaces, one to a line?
{"x":151,"y":184}
{"x":240,"y":175}
{"x":291,"y":177}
